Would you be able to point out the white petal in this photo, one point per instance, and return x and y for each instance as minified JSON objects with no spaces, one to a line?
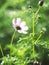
{"x":25,"y":28}
{"x":18,"y":21}
{"x":14,"y":21}
{"x":24,"y":32}
{"x":21,"y":31}
{"x":22,"y":24}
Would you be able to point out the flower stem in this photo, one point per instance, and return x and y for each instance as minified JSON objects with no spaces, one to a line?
{"x":37,"y":11}
{"x":12,"y":37}
{"x":25,"y":61}
{"x":33,"y":24}
{"x":33,"y":42}
{"x":2,"y":53}
{"x":12,"y":44}
{"x":33,"y":36}
{"x":38,"y":38}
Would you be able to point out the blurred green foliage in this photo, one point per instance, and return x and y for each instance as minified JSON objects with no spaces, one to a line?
{"x":23,"y":9}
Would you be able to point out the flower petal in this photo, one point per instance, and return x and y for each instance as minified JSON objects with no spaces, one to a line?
{"x":14,"y":23}
{"x":22,"y":24}
{"x":25,"y":28}
{"x":21,"y":31}
{"x":18,"y":21}
{"x":24,"y":32}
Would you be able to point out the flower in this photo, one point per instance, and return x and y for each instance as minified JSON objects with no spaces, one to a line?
{"x":19,"y":25}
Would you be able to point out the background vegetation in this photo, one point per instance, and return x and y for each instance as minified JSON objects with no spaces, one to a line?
{"x":10,"y":9}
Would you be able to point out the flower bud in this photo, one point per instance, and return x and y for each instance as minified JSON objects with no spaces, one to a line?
{"x":36,"y":63}
{"x":41,"y":2}
{"x":43,"y":30}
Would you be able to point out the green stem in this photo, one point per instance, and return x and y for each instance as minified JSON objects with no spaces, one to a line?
{"x":12,"y":41}
{"x":2,"y":54}
{"x":33,"y":24}
{"x":37,"y":11}
{"x":34,"y":15}
{"x":33,"y":37}
{"x":1,"y":51}
{"x":13,"y":37}
{"x":25,"y":61}
{"x":12,"y":44}
{"x":38,"y":38}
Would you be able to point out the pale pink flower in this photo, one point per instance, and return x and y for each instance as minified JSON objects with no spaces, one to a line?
{"x":19,"y":25}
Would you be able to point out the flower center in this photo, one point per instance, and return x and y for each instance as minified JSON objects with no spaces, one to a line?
{"x":18,"y":28}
